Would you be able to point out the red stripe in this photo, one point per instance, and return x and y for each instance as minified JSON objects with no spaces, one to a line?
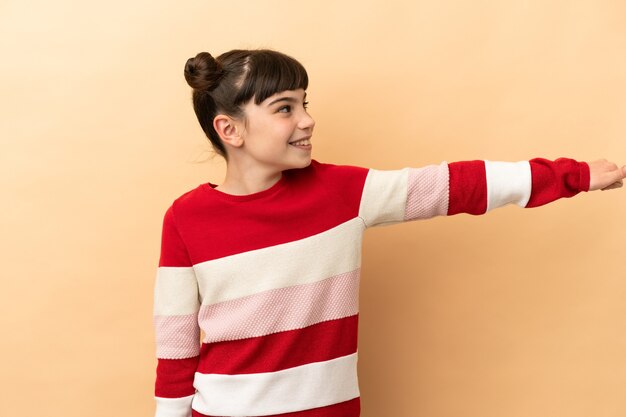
{"x":175,"y":377}
{"x":562,"y":178}
{"x":308,"y":205}
{"x":319,"y":342}
{"x":350,"y":408}
{"x":468,"y":187}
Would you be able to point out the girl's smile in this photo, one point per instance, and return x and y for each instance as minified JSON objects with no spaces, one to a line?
{"x":304,"y":143}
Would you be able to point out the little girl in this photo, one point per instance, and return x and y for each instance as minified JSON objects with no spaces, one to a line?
{"x":257,"y":287}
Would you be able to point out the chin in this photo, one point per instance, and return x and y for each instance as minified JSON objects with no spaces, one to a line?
{"x":307,"y":162}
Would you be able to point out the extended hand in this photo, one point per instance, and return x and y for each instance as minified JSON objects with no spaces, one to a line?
{"x":605,"y":175}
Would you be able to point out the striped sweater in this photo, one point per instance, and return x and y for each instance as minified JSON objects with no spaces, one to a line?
{"x":256,"y":296}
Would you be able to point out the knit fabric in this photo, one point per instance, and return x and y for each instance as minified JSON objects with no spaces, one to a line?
{"x":256,"y":296}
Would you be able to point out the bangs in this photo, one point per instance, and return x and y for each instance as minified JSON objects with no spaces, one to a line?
{"x":271,"y":72}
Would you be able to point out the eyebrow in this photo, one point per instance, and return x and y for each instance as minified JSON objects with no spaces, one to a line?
{"x":288,"y":99}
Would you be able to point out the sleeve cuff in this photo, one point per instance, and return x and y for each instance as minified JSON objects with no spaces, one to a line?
{"x":585,"y":177}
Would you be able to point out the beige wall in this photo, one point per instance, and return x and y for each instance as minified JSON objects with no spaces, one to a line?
{"x":519,"y":312}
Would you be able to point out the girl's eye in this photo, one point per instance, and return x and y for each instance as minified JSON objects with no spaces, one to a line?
{"x":289,"y":107}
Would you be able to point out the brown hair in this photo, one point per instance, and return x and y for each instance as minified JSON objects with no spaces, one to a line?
{"x":221,"y":85}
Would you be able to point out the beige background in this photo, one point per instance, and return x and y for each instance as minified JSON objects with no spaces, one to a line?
{"x":519,"y":312}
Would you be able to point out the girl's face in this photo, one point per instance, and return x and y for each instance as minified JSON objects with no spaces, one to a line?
{"x":280,"y":119}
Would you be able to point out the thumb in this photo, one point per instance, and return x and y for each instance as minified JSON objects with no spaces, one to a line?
{"x":624,"y":170}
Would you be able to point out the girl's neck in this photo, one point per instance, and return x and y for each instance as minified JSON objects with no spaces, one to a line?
{"x":240,"y":182}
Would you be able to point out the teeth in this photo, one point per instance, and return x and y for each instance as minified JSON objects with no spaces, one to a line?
{"x":301,"y":142}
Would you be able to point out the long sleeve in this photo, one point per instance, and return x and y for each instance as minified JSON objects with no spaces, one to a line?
{"x":176,"y":306}
{"x":473,"y":187}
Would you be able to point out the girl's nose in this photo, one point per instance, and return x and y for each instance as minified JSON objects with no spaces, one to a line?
{"x":307,"y":122}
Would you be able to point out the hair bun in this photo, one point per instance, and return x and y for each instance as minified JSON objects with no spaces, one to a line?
{"x":203,"y":72}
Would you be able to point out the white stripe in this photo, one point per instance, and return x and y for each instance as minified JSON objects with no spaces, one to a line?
{"x":175,"y":291}
{"x":508,"y":182}
{"x":384,"y":196}
{"x":303,"y":387}
{"x":312,"y":259}
{"x":173,"y":407}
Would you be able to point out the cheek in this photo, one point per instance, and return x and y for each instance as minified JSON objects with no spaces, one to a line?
{"x":267,"y":147}
{"x":270,"y":138}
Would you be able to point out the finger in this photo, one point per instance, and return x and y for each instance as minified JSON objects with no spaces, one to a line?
{"x":618,"y":173}
{"x":617,"y":184}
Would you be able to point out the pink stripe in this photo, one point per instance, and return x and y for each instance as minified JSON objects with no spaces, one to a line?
{"x":177,"y":337}
{"x":427,"y":194}
{"x":281,"y":309}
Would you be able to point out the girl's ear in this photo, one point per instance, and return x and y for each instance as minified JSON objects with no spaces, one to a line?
{"x":228,"y":129}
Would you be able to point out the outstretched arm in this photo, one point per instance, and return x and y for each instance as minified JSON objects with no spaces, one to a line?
{"x":477,"y":187}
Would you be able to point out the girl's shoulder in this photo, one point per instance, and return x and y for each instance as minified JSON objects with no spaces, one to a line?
{"x":343,"y":181}
{"x":188,"y":198}
{"x":338,"y":169}
{"x":340,"y":172}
